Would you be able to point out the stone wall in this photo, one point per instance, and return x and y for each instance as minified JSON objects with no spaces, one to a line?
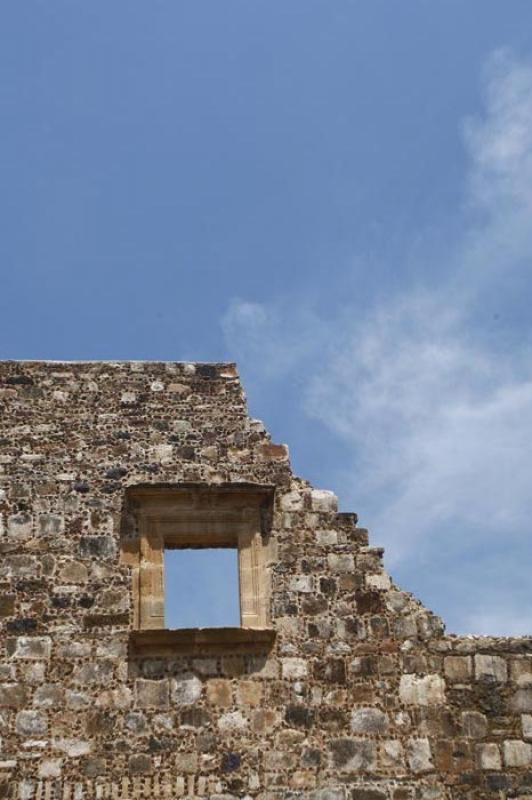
{"x":362,"y":696}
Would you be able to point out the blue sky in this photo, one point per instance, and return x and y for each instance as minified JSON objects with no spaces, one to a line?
{"x":336,"y":195}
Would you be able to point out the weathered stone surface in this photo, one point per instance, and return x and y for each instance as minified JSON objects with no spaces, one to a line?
{"x":33,"y":647}
{"x":31,"y":723}
{"x":186,"y":689}
{"x":491,"y":668}
{"x":489,"y":756}
{"x":422,"y":691}
{"x":151,"y":694}
{"x":359,"y":695}
{"x":517,"y":753}
{"x":419,"y":755}
{"x":353,"y":755}
{"x":369,"y":720}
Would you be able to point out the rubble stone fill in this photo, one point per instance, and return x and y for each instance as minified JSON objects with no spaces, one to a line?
{"x":347,"y":689}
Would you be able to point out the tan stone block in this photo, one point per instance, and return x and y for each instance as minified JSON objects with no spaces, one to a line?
{"x":422,"y":691}
{"x":491,"y":668}
{"x":151,"y":694}
{"x":474,"y":724}
{"x":219,"y":692}
{"x":264,"y":720}
{"x":526,"y":724}
{"x":249,"y":693}
{"x":521,"y":671}
{"x":186,"y":762}
{"x":294,"y":667}
{"x":488,"y":756}
{"x":517,"y":753}
{"x":458,"y":669}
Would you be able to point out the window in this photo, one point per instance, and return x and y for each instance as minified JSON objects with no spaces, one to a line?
{"x":187,"y":520}
{"x":201,"y":587}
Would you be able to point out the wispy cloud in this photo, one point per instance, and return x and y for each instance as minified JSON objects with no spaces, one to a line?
{"x":439,"y":418}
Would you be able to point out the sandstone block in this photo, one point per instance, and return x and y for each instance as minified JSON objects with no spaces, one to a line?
{"x":140,"y":764}
{"x":186,"y":762}
{"x":219,"y":692}
{"x":380,"y":581}
{"x":458,"y":669}
{"x":50,"y":768}
{"x":323,"y":500}
{"x":326,"y":538}
{"x":369,"y":720}
{"x":186,"y":689}
{"x":474,"y":724}
{"x":151,"y":694}
{"x":419,"y":755}
{"x":294,"y":668}
{"x":488,"y":756}
{"x":232,"y":721}
{"x":49,"y":695}
{"x":33,"y":647}
{"x":341,"y":562}
{"x":353,"y":755}
{"x":422,"y":691}
{"x":94,"y":672}
{"x":526,"y":724}
{"x":249,"y":693}
{"x":31,"y":723}
{"x":301,"y":583}
{"x":522,"y":700}
{"x":20,"y":526}
{"x":517,"y":753}
{"x":392,"y":755}
{"x":74,"y":572}
{"x":12,"y":695}
{"x":491,"y":668}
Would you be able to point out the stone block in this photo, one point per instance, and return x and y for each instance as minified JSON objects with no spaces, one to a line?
{"x":526,"y":724}
{"x":488,"y":756}
{"x":12,"y":695}
{"x":31,"y":723}
{"x":185,"y":689}
{"x":458,"y":669}
{"x":392,"y":755}
{"x":219,"y":692}
{"x":369,"y":720}
{"x":341,"y":563}
{"x":427,"y":690}
{"x":301,"y":583}
{"x":49,"y":695}
{"x":353,"y":755}
{"x":249,"y":693}
{"x":323,"y":500}
{"x":33,"y":647}
{"x":50,"y":768}
{"x":419,"y":755}
{"x":232,"y":721}
{"x":491,"y":668}
{"x":517,"y":753}
{"x":151,"y":694}
{"x":474,"y":724}
{"x":140,"y":764}
{"x":521,"y":700}
{"x":294,"y":668}
{"x":186,"y":762}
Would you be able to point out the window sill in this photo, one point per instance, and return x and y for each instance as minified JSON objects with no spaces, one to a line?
{"x":201,"y":640}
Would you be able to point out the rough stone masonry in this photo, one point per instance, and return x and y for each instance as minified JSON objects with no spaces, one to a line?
{"x":338,"y":686}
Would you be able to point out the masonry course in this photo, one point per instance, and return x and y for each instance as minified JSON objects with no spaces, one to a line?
{"x":360,"y":695}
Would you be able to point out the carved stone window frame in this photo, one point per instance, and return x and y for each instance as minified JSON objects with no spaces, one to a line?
{"x":195,"y":517}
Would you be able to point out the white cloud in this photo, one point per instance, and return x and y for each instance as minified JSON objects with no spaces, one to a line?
{"x":440,"y":423}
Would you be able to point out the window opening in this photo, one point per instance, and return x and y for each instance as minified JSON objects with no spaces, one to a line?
{"x":201,"y":587}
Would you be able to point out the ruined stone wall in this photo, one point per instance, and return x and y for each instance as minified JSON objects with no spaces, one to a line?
{"x":361,"y":696}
